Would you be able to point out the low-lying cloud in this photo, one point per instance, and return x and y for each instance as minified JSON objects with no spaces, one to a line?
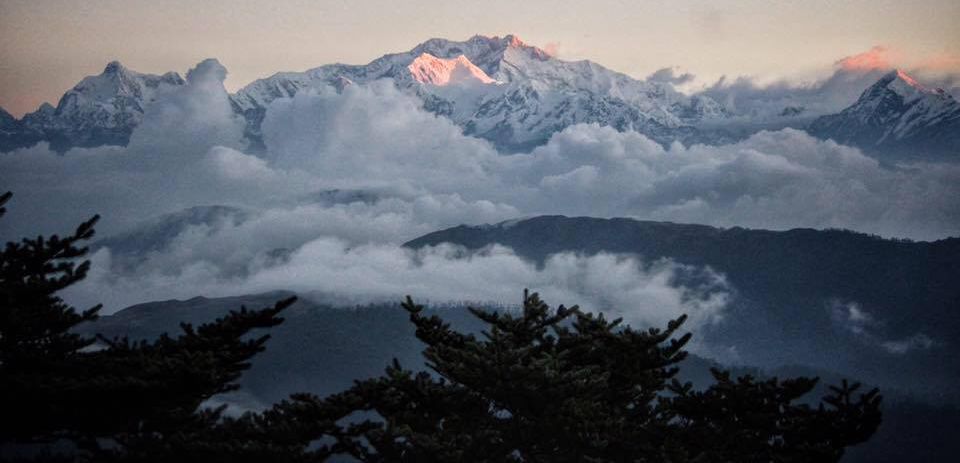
{"x":331,"y":270}
{"x":346,"y":177}
{"x":853,"y":318}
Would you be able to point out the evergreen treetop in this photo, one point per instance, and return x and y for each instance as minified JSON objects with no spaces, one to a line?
{"x":539,"y":384}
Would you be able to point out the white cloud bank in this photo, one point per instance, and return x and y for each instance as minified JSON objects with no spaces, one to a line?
{"x":331,"y":270}
{"x":419,"y":174}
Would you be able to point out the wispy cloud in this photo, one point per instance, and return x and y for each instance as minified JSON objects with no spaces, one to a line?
{"x":852,"y":317}
{"x":873,"y":59}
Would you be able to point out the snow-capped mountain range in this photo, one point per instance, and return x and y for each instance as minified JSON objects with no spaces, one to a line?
{"x":505,"y":91}
{"x":501,"y":89}
{"x":897,"y":116}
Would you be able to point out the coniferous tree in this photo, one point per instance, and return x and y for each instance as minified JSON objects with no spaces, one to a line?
{"x":105,"y":396}
{"x":563,"y":385}
{"x":538,"y":385}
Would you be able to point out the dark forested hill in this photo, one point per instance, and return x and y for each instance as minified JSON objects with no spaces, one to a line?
{"x":886,"y":310}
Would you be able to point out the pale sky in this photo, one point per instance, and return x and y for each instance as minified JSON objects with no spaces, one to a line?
{"x":47,"y":46}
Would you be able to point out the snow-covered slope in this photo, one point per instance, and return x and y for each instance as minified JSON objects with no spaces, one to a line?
{"x":897,"y":116}
{"x":526,"y":95}
{"x":100,"y":110}
{"x":428,"y":69}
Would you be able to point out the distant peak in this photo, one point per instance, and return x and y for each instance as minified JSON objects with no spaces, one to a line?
{"x":483,"y":50}
{"x":514,"y":41}
{"x":429,"y":69}
{"x":898,"y":75}
{"x":507,"y":41}
{"x":906,"y":78}
{"x":114,"y":67}
{"x":901,"y":83}
{"x":908,"y":88}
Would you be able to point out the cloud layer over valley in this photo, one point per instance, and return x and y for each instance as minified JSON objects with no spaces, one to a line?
{"x":348,"y":176}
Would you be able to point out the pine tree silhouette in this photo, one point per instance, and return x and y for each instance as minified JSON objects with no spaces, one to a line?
{"x":104,"y":396}
{"x":563,"y":385}
{"x":542,"y":384}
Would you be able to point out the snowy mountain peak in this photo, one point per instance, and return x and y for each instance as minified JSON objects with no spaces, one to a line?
{"x":507,"y":41}
{"x":486,"y":52}
{"x":900,"y":83}
{"x":498,"y":88}
{"x":428,"y":69}
{"x":101,"y":109}
{"x":906,"y":78}
{"x":897,"y":114}
{"x":114,"y":80}
{"x":904,"y":86}
{"x":514,"y":41}
{"x":114,"y":67}
{"x":478,"y":42}
{"x":535,"y":96}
